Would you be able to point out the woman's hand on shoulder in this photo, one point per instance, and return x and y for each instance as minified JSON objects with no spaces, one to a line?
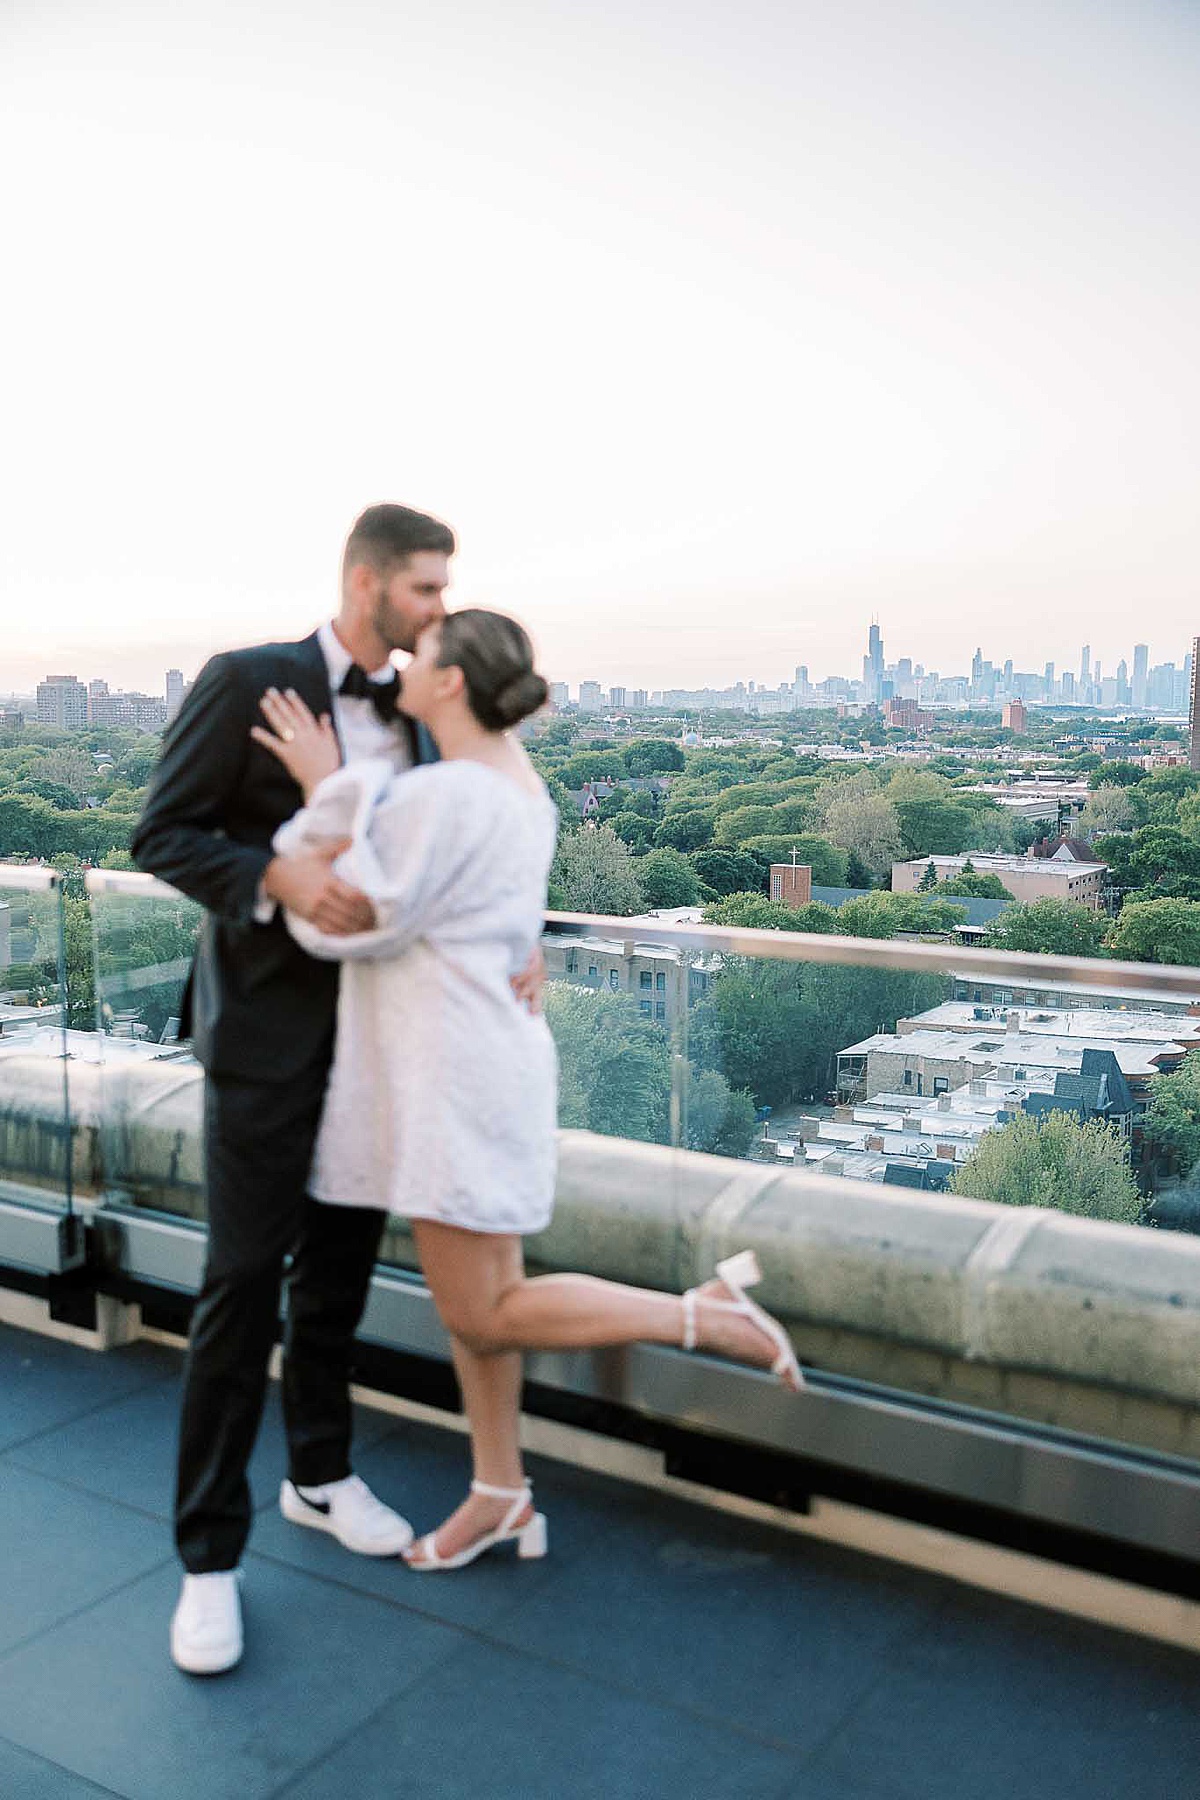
{"x":306,"y":746}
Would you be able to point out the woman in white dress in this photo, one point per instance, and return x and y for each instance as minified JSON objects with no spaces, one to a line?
{"x":441,"y":1104}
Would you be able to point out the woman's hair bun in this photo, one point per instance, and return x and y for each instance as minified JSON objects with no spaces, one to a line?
{"x":526,"y":693}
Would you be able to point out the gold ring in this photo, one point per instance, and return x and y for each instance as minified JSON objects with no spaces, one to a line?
{"x":287,"y":734}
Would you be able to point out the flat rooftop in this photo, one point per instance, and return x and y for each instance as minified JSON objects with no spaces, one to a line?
{"x":1011,"y":1049}
{"x":1116,"y":1025}
{"x":662,"y":1650}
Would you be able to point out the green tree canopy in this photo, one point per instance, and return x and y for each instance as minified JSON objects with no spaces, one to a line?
{"x":827,"y":862}
{"x":591,"y":765}
{"x":1053,"y":927}
{"x":652,"y":756}
{"x":1172,"y":1119}
{"x":726,"y":871}
{"x":688,"y":830}
{"x":1053,"y":1161}
{"x":1162,"y":931}
{"x":668,"y":878}
{"x":596,"y":873}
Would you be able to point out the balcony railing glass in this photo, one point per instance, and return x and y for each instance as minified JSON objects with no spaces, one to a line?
{"x":717,"y":1088}
{"x":35,"y":1026}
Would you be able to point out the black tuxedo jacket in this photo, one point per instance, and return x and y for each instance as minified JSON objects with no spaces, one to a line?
{"x":256,"y":1006}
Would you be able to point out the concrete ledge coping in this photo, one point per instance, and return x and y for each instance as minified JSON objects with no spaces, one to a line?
{"x":1116,"y":1306}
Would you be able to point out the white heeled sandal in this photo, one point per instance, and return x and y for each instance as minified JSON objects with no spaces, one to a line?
{"x":531,"y":1539}
{"x":740,"y":1272}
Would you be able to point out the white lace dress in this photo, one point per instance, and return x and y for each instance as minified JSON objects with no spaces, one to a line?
{"x":442,"y":1098}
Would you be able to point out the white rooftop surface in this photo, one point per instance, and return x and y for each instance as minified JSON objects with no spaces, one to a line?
{"x":1120,"y":1025}
{"x":87,"y":1046}
{"x":991,"y":863}
{"x":1021,"y":1049}
{"x":1138,"y":998}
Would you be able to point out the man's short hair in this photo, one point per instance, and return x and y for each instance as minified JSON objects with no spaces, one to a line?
{"x":384,"y":537}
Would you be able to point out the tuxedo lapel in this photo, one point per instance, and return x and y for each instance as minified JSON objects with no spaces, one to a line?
{"x":312,"y":660}
{"x":319,"y":696}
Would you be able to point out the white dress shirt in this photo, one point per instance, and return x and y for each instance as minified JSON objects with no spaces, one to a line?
{"x":361,"y":732}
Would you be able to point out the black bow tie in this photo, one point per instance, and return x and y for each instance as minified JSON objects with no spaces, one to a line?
{"x":383,"y":695}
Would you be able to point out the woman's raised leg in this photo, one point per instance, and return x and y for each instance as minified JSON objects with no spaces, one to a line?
{"x":493,"y":1311}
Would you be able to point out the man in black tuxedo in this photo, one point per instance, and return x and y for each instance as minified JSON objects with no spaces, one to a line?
{"x":261,"y":1014}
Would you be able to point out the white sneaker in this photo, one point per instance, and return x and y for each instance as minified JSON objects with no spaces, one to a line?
{"x":206,"y":1630}
{"x":350,"y":1512}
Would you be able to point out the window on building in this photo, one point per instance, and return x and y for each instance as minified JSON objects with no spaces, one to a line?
{"x":660,"y":982}
{"x":647,"y":980}
{"x":572,"y":961}
{"x":941,"y":1085}
{"x":614,"y":979}
{"x":908,"y":1077}
{"x":660,"y":1009}
{"x":646,"y":1008}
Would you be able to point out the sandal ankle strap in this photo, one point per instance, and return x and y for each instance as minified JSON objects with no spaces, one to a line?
{"x":499,"y":1493}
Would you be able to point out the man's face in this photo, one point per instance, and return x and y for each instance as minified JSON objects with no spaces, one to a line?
{"x":410,"y":598}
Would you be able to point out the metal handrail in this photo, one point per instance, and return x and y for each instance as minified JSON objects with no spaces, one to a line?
{"x":1027,"y":967}
{"x":29,"y":878}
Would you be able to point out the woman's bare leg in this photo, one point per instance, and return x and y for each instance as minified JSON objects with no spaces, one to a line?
{"x":484,"y":1296}
{"x":493,"y":1311}
{"x":490,"y":1384}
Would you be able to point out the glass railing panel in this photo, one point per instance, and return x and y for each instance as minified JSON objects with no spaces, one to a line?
{"x":39,"y":1027}
{"x":150,"y":1090}
{"x":616,"y":1005}
{"x":774,"y":1052}
{"x":716,"y":1084}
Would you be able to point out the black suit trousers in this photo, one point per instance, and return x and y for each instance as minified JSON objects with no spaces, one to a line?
{"x":258,"y":1141}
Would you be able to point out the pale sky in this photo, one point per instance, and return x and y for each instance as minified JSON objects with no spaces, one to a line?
{"x":714,"y":330}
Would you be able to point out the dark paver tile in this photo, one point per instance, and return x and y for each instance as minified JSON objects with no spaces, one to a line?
{"x":60,"y":1551}
{"x":492,"y":1725}
{"x":996,"y":1699}
{"x":44,"y":1383}
{"x":126,"y":1451}
{"x":100,"y":1696}
{"x":770,"y":1633}
{"x":26,"y":1777}
{"x":423,"y":1472}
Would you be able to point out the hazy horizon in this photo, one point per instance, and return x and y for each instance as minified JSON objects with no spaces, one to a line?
{"x":715,"y":334}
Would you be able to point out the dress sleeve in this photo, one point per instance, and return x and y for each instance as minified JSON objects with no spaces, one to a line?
{"x":411,"y":839}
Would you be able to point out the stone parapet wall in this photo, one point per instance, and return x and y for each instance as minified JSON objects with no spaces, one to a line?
{"x":1082,"y":1324}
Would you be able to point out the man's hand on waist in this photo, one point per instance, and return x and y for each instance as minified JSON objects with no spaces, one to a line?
{"x":307,"y":885}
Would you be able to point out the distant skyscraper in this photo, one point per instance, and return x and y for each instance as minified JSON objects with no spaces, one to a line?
{"x":1085,"y":671}
{"x":1141,"y":664}
{"x":591,"y":696}
{"x":977,"y":671}
{"x":1048,"y":680}
{"x":560,"y":693}
{"x":174,"y":691}
{"x":1194,"y":713}
{"x":1122,"y":683}
{"x":873,"y":664}
{"x":62,"y":700}
{"x":616,"y":697}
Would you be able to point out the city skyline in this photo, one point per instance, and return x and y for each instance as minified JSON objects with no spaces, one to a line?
{"x":711,"y":333}
{"x":1135,"y":681}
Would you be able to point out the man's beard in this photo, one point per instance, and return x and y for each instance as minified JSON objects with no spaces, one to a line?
{"x":397,"y":633}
